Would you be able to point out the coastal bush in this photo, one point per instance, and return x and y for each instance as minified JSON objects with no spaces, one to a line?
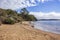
{"x":8,"y":21}
{"x":9,"y":16}
{"x":31,"y":18}
{"x":25,"y":15}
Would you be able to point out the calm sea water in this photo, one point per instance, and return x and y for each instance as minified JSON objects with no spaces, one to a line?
{"x":49,"y":26}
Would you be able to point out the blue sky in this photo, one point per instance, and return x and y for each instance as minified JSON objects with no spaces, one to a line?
{"x":42,"y":9}
{"x":46,"y":7}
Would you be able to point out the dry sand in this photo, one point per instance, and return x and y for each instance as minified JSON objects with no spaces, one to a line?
{"x":24,"y":32}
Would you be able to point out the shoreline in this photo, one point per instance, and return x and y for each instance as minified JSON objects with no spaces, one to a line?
{"x":24,"y":32}
{"x":30,"y":23}
{"x":50,"y":31}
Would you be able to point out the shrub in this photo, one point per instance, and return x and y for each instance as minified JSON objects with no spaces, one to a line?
{"x":30,"y":18}
{"x":8,"y":21}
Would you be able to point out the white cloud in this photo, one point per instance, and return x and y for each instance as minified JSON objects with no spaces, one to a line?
{"x":15,"y":4}
{"x":44,"y":0}
{"x":50,"y":15}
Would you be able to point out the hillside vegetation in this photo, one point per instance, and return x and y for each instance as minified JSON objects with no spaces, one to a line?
{"x":8,"y":16}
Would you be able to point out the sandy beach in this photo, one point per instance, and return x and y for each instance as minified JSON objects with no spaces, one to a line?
{"x":24,"y":31}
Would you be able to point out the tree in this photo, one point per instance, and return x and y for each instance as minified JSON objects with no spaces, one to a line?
{"x":24,"y":11}
{"x":30,"y":18}
{"x":11,"y":12}
{"x":25,"y":15}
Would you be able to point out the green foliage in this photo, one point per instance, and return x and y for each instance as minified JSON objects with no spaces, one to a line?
{"x":9,"y":16}
{"x":11,"y":12}
{"x":25,"y":15}
{"x":24,"y":11}
{"x":8,"y":21}
{"x":31,"y":18}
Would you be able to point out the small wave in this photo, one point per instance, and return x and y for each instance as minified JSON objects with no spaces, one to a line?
{"x":49,"y":26}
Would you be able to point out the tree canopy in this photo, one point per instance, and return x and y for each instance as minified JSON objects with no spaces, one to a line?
{"x":9,"y":16}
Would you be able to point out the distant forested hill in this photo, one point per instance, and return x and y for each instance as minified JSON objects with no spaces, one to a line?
{"x":49,"y":20}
